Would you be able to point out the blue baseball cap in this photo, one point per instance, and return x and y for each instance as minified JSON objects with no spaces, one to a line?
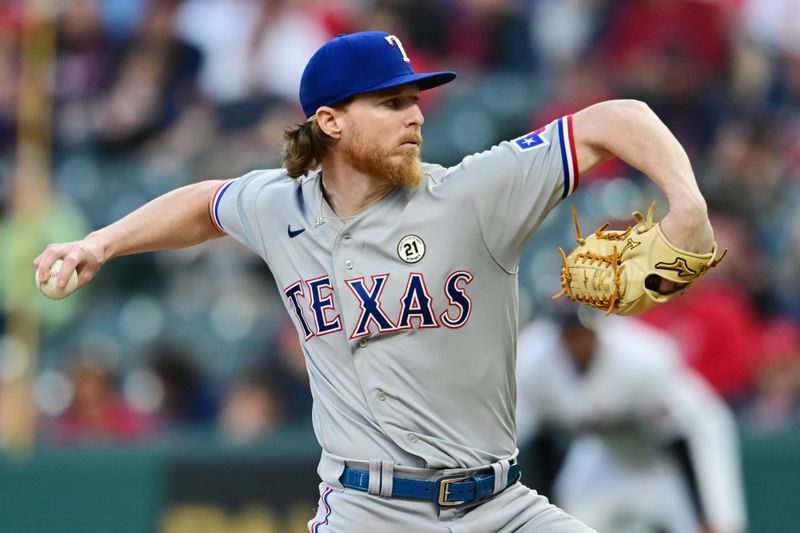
{"x":359,"y":63}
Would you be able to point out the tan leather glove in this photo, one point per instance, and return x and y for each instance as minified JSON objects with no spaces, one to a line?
{"x":620,"y":271}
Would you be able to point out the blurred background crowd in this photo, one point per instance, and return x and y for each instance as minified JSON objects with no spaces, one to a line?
{"x":151,"y":95}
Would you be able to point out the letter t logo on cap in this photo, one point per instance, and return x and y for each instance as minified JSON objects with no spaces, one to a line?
{"x":393,"y":40}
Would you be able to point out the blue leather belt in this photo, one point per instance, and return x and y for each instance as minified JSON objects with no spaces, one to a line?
{"x":446,"y":491}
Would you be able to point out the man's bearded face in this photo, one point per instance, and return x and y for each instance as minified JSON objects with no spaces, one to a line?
{"x":401,"y":166}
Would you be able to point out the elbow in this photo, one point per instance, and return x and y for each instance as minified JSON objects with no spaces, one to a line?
{"x":634,"y":105}
{"x":609,"y":129}
{"x":628,"y":109}
{"x":600,"y":124}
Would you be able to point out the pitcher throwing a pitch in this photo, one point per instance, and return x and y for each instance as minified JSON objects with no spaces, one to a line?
{"x":401,"y":279}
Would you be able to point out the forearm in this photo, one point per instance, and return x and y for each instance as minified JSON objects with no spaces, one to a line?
{"x":628,"y":129}
{"x":175,"y":220}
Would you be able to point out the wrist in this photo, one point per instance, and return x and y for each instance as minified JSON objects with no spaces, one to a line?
{"x":691,"y":209}
{"x":95,"y":244}
{"x":687,"y":226}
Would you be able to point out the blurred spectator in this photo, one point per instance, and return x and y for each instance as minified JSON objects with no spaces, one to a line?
{"x":791,"y":270}
{"x":648,"y":436}
{"x":774,"y":24}
{"x":488,"y":34}
{"x":252,"y":47}
{"x":646,"y":40}
{"x":766,"y":67}
{"x":85,"y":64}
{"x":422,"y":23}
{"x":153,"y":84}
{"x":223,"y":31}
{"x":97,"y":413}
{"x":188,"y":402}
{"x":582,"y":84}
{"x":85,"y":56}
{"x":287,"y":369}
{"x":563,"y":31}
{"x":748,"y":171}
{"x":749,"y":177}
{"x":672,"y":54}
{"x":775,"y":403}
{"x":251,"y":408}
{"x":9,"y":75}
{"x":291,"y":31}
{"x":122,"y":17}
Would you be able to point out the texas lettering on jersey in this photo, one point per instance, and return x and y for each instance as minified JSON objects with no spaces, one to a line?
{"x":416,"y":304}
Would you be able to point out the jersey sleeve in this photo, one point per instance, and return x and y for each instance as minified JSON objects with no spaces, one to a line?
{"x":514,"y":185}
{"x":233,"y":209}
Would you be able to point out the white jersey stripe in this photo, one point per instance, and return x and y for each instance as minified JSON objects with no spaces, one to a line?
{"x":567,"y":155}
{"x":575,"y":176}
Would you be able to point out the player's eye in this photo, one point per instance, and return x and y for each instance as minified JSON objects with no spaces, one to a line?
{"x":393,"y":103}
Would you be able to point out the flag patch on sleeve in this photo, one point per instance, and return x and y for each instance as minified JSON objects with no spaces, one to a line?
{"x":530,"y":141}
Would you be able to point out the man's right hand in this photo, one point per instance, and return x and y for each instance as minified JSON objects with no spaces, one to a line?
{"x":84,"y":256}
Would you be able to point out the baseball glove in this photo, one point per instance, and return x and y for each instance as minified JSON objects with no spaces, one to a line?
{"x":620,"y":271}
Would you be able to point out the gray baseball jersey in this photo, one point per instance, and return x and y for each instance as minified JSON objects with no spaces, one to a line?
{"x":408,"y":311}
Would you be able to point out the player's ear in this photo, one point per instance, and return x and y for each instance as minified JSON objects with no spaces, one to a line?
{"x":329,"y":121}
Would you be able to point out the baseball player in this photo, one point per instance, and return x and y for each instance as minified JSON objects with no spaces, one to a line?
{"x":619,"y":387}
{"x":401,"y":279}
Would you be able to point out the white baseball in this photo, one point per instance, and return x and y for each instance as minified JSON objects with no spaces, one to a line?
{"x":50,"y":288}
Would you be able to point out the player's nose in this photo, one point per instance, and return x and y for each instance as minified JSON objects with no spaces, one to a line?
{"x":415,"y":116}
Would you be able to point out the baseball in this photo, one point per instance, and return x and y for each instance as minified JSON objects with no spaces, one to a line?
{"x":50,"y":289}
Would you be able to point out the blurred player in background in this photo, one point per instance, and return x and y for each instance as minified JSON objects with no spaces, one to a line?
{"x":653,"y":449}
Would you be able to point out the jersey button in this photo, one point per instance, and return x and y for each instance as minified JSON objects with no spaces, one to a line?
{"x":412,"y":438}
{"x":363,"y":343}
{"x":348,"y":264}
{"x":381,"y":395}
{"x":346,"y":238}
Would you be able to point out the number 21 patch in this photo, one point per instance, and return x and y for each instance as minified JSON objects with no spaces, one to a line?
{"x":411,"y":248}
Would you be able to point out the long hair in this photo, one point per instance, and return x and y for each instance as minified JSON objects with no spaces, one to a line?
{"x":304,"y":146}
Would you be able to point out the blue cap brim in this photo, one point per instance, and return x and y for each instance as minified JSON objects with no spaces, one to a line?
{"x":425,"y":81}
